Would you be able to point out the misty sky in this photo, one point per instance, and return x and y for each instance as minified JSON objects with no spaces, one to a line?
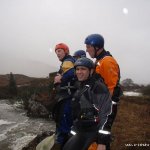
{"x":30,"y":29}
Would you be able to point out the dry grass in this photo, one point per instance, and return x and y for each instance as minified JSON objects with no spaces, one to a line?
{"x":132,"y":125}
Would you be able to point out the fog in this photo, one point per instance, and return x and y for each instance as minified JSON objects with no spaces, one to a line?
{"x":30,"y":29}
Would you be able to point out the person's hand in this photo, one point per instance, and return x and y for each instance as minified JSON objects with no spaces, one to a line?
{"x":57,"y":79}
{"x":101,"y":147}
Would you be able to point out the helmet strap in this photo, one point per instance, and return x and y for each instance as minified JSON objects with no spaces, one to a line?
{"x":95,"y":51}
{"x":90,"y":72}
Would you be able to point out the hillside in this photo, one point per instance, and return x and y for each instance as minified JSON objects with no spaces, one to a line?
{"x":20,"y":79}
{"x":25,"y":84}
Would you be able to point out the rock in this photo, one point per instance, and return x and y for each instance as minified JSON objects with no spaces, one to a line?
{"x":36,"y":109}
{"x":41,"y":105}
{"x":32,"y":145}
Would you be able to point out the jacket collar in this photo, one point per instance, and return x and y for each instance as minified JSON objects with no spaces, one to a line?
{"x":103,"y":54}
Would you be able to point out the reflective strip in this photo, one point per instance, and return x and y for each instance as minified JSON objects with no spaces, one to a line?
{"x":87,"y":85}
{"x":73,"y":132}
{"x":114,"y":103}
{"x":104,"y":132}
{"x":68,"y":87}
{"x":98,"y":63}
{"x":95,"y":107}
{"x":107,"y":117}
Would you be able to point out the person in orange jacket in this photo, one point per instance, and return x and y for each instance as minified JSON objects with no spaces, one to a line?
{"x":107,"y":67}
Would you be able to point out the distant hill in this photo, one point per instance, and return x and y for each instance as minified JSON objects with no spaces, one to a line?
{"x":20,"y":79}
{"x":23,"y":80}
{"x":129,"y":85}
{"x":32,"y":68}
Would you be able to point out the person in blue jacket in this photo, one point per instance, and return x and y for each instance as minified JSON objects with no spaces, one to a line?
{"x":64,"y":85}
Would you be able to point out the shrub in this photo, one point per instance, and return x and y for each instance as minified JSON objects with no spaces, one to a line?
{"x":146,"y":90}
{"x":12,"y":85}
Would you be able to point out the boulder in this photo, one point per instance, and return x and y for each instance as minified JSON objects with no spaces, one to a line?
{"x":41,"y":105}
{"x":33,"y":144}
{"x":37,"y":109}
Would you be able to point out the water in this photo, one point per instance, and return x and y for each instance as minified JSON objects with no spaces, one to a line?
{"x":130,"y":93}
{"x":16,"y":129}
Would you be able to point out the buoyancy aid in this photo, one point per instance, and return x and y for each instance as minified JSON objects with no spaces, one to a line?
{"x":109,"y":70}
{"x":88,"y":94}
{"x":84,"y":108}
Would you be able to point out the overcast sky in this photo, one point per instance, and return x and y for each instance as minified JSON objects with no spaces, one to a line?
{"x":30,"y":29}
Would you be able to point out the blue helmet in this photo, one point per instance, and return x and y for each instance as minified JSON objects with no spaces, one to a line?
{"x":86,"y":62}
{"x":79,"y":54}
{"x":95,"y":40}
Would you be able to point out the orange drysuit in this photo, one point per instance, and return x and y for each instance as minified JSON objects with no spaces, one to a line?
{"x":108,"y":68}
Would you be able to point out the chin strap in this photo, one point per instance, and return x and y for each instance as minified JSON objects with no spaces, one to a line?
{"x":95,"y":51}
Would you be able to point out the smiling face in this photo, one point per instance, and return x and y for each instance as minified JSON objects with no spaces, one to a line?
{"x":82,"y":73}
{"x":60,"y":54}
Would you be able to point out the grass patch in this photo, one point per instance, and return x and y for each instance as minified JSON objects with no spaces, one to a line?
{"x":132,"y":123}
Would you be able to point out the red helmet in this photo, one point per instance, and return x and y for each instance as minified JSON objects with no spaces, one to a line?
{"x":62,"y":46}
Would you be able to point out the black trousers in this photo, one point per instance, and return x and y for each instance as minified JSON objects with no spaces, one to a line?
{"x":80,"y":141}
